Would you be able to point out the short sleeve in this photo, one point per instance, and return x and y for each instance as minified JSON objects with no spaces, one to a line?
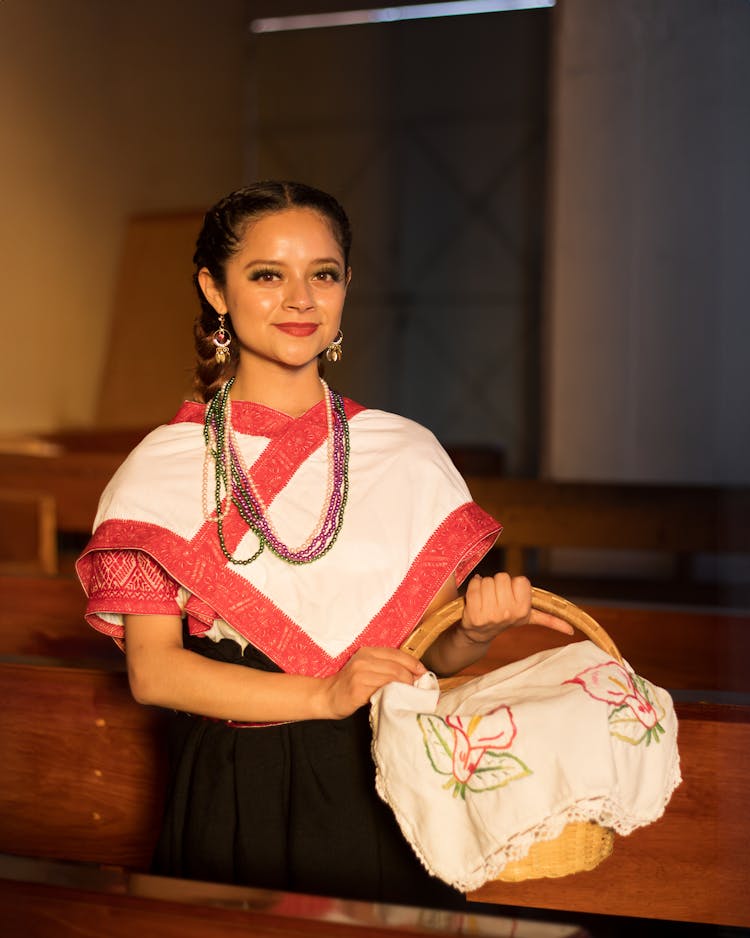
{"x":127,"y":582}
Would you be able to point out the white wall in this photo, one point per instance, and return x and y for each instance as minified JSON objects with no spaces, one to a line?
{"x":107,"y":110}
{"x":648,"y":326}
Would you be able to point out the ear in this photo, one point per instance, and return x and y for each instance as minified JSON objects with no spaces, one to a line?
{"x":211,"y":291}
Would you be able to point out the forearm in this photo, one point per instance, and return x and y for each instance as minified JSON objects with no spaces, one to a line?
{"x":164,"y":673}
{"x":176,"y":678}
{"x":453,"y":651}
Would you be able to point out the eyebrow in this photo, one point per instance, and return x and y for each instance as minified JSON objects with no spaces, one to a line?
{"x":276,"y":263}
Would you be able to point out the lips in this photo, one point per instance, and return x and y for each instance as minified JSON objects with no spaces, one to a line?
{"x":300,"y":329}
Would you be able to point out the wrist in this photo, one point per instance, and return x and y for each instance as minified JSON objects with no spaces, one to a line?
{"x":472,"y":636}
{"x":321,"y":699}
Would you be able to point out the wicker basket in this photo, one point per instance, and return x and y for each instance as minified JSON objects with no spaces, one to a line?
{"x":582,"y":845}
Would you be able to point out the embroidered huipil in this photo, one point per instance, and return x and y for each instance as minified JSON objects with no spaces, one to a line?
{"x":409,"y":524}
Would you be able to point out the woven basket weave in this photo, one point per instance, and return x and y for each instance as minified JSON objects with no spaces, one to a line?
{"x":581,"y":845}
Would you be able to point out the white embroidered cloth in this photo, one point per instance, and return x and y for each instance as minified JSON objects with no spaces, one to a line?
{"x":477,"y":774}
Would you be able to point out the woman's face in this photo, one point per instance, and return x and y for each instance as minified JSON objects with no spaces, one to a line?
{"x":285,"y":289}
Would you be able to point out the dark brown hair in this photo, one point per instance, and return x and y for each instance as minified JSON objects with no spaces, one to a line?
{"x":223,"y":228}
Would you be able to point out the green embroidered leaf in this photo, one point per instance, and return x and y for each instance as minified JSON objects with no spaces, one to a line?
{"x":496,"y":770}
{"x":624,"y":725}
{"x":438,"y":739}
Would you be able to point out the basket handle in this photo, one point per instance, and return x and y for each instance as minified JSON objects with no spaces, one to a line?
{"x":433,"y":626}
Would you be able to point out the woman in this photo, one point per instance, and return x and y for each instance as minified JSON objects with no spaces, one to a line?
{"x":268,"y":619}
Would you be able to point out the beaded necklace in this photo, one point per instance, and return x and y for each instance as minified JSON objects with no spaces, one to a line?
{"x":234,"y":483}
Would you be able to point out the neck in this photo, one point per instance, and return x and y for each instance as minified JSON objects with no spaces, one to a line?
{"x":289,"y":392}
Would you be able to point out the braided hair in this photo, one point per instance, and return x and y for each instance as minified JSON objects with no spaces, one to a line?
{"x":220,"y":238}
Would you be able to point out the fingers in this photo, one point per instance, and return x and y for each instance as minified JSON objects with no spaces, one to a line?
{"x":368,"y":670}
{"x":550,"y":622}
{"x":390,"y":663}
{"x":498,"y":600}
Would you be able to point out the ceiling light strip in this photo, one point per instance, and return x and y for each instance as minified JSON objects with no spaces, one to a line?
{"x":279,"y":24}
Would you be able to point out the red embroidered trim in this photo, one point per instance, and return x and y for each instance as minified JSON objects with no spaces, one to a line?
{"x":258,"y":420}
{"x":457,"y":545}
{"x":129,"y":581}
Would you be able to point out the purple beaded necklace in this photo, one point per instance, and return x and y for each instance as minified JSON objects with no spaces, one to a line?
{"x":232,"y":476}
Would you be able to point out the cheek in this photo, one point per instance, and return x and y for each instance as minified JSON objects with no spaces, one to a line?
{"x":254,"y":305}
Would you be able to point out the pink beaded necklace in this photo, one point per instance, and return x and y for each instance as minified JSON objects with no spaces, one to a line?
{"x":234,"y":483}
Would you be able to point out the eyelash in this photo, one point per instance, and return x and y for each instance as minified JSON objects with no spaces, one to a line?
{"x":324,"y":273}
{"x":261,"y":272}
{"x":333,"y":272}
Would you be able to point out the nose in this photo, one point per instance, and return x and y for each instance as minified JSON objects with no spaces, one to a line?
{"x":299,"y":295}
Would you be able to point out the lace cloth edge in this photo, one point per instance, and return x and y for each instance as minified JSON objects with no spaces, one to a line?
{"x":602,"y":810}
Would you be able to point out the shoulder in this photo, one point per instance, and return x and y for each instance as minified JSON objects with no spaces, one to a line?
{"x":379,"y":427}
{"x":155,"y":469}
{"x":387,"y":442}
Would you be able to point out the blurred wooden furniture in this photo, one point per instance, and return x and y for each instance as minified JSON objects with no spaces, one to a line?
{"x":677,"y":522}
{"x":41,"y":899}
{"x":28,"y":532}
{"x":690,"y":866}
{"x":73,"y":479}
{"x":149,"y":362}
{"x":43,"y":616}
{"x":82,"y":772}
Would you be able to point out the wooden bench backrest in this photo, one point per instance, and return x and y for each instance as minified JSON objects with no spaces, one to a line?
{"x":43,"y":616}
{"x":82,"y":768}
{"x":674,"y":648}
{"x":689,"y":866}
{"x":28,"y":532}
{"x":82,"y":775}
{"x":664,"y":518}
{"x":41,"y":899}
{"x":74,"y":479}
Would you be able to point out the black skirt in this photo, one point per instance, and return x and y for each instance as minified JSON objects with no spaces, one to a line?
{"x":290,"y":807}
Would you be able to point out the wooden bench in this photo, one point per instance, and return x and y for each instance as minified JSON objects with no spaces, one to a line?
{"x":43,"y":616}
{"x":82,"y":771}
{"x":28,"y":532}
{"x":685,"y":649}
{"x":82,"y":775}
{"x":55,"y":900}
{"x":677,"y":522}
{"x":75,"y":480}
{"x":689,"y":866}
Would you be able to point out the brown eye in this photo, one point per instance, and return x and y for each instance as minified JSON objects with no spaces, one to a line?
{"x":264,"y":275}
{"x":329,"y":274}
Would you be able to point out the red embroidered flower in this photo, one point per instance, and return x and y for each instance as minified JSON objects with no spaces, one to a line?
{"x":612,"y":684}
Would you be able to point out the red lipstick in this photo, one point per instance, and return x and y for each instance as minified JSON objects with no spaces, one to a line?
{"x":300,"y":329}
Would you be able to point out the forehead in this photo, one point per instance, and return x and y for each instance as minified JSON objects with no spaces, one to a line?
{"x":298,"y":231}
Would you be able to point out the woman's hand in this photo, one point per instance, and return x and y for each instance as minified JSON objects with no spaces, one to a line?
{"x":366,"y":671}
{"x":499,"y":602}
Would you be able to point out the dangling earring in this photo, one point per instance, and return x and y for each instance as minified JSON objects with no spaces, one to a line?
{"x":222,"y":340}
{"x":334,"y":352}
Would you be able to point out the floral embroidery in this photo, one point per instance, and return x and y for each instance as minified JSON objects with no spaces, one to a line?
{"x":633,"y":717}
{"x":473,"y":754}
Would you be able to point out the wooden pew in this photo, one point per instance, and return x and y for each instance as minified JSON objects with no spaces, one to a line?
{"x":43,"y":616}
{"x":692,"y":864}
{"x":678,"y":522}
{"x":40,"y":899}
{"x":81,"y":779}
{"x":28,"y":532}
{"x":82,"y":768}
{"x":78,"y":740}
{"x":75,"y":480}
{"x":685,"y":649}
